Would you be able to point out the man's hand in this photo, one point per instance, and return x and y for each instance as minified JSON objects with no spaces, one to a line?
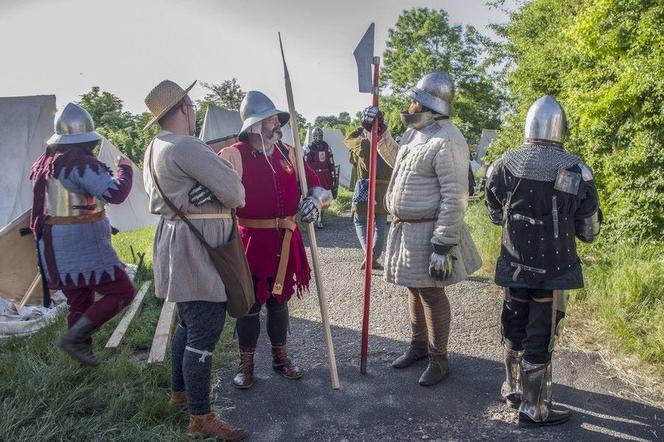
{"x":122,"y":161}
{"x":199,"y":195}
{"x":440,"y":266}
{"x":309,"y":209}
{"x":371,"y":114}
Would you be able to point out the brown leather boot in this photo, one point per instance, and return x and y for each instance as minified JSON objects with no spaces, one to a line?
{"x":282,"y":363}
{"x":245,"y":375}
{"x":75,"y":342}
{"x":416,"y":352}
{"x":178,"y":399}
{"x":210,"y":426}
{"x":436,"y":371}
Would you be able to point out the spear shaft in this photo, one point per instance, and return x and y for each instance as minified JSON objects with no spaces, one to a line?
{"x":322,"y":298}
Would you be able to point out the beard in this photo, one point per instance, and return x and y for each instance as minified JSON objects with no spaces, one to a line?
{"x":272,"y":136}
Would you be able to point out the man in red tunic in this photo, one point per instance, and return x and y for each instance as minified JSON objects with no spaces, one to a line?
{"x":319,"y":157}
{"x":272,"y":241}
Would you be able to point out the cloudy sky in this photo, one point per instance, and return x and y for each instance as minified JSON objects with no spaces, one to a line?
{"x":64,"y":47}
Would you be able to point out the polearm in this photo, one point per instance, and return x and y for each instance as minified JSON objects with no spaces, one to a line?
{"x":322,"y":298}
{"x":364,"y":56}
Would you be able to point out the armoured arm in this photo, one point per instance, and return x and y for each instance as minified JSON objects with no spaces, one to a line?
{"x":101,"y":184}
{"x":588,"y":217}
{"x":199,"y":162}
{"x":388,"y":148}
{"x":451,"y":167}
{"x":491,"y":198}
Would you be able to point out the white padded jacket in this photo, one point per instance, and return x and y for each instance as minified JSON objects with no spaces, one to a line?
{"x":429,"y":188}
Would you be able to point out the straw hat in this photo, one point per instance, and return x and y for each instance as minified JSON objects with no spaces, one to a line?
{"x":163,"y":98}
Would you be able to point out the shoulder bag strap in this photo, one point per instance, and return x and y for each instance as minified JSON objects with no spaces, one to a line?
{"x":170,"y":204}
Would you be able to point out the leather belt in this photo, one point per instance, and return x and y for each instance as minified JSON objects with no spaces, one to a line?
{"x":396,"y":220}
{"x":226,"y":214}
{"x":288,"y":224}
{"x":76,"y":219}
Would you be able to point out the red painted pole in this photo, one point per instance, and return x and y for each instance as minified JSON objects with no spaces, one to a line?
{"x":371,"y":210}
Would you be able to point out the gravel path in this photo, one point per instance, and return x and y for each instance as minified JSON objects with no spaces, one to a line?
{"x":388,"y":404}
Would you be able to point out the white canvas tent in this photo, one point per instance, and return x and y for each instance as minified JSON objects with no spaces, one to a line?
{"x":487,"y":137}
{"x":335,"y":139}
{"x":134,"y":212}
{"x":25,"y":125}
{"x":221,"y":127}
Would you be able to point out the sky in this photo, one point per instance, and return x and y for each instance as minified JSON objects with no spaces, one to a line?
{"x":126,"y":47}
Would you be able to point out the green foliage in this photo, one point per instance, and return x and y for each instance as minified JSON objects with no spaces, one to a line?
{"x":123,"y":129}
{"x":228,"y":94}
{"x":604,"y":61}
{"x":424,"y":41}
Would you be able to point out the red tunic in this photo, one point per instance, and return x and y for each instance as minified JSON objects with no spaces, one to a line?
{"x":272,"y":195}
{"x":320,"y":160}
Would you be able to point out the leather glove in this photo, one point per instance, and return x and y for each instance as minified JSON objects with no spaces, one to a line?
{"x":369,"y":115}
{"x":309,"y":209}
{"x":440,"y":262}
{"x":199,"y":195}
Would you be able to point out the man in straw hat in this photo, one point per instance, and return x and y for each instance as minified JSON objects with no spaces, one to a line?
{"x":272,"y":240}
{"x":183,"y":166}
{"x":68,"y":219}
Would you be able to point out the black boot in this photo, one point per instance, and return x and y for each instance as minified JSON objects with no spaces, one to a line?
{"x":436,"y":371}
{"x":73,"y":342}
{"x":537,"y":407}
{"x":416,"y":352}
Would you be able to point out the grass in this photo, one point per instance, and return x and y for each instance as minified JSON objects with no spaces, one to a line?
{"x":621,"y":308}
{"x":46,"y":396}
{"x":341,"y":204}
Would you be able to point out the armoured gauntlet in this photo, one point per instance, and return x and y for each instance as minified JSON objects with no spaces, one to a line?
{"x":440,"y":262}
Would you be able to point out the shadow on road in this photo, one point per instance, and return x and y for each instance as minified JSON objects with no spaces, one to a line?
{"x":387,"y":404}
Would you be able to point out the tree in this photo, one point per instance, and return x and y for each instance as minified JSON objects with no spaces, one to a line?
{"x":423,"y":41}
{"x":123,"y":129}
{"x":228,"y":94}
{"x":331,"y":121}
{"x":604,"y":61}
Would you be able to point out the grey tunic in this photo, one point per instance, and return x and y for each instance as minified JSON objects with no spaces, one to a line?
{"x":429,"y":182}
{"x":183,"y":271}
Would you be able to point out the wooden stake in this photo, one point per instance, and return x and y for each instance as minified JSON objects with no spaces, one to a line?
{"x":119,"y":332}
{"x":162,"y":334}
{"x":30,"y":291}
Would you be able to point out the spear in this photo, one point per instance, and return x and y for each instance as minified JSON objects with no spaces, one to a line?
{"x":322,"y":298}
{"x":364,"y":57}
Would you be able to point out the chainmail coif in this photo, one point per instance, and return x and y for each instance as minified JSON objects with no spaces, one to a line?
{"x":538,"y":162}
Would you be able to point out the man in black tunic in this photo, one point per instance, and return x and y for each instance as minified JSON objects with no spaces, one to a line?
{"x":543,"y":197}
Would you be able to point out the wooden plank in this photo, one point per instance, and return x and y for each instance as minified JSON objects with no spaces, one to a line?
{"x":119,"y":332}
{"x":162,"y":334}
{"x":30,"y":291}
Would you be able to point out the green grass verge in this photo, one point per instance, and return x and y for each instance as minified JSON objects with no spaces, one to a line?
{"x":623,"y":294}
{"x":44,"y":395}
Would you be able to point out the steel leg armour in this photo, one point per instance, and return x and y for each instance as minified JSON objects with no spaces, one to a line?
{"x":536,"y":407}
{"x":511,"y":389}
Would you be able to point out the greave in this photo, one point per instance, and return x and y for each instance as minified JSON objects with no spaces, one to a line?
{"x":511,"y":388}
{"x":536,"y":395}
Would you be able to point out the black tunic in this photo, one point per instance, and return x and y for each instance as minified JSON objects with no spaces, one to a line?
{"x":538,"y":242}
